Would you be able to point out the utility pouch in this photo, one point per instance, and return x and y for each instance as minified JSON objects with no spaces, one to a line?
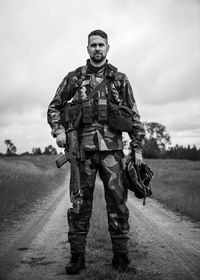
{"x":69,"y":113}
{"x":87,"y":112}
{"x":73,"y":110}
{"x":120,"y":118}
{"x":102,"y":109}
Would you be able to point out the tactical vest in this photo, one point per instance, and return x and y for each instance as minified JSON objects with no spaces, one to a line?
{"x":97,"y":107}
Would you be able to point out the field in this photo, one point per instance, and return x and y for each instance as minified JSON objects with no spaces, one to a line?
{"x":24,"y":180}
{"x":176,"y":184}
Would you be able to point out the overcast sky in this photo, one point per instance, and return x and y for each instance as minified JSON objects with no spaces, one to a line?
{"x":155,"y":42}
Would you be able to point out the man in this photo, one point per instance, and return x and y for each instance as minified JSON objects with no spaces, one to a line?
{"x":102,"y":145}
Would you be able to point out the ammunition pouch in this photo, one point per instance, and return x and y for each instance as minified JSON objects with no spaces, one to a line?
{"x":102,"y":110}
{"x":69,"y":113}
{"x":73,"y":111}
{"x":120,"y":117}
{"x":90,"y":111}
{"x":87,"y":112}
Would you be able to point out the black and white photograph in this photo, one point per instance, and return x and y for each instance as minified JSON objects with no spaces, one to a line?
{"x":100,"y":140}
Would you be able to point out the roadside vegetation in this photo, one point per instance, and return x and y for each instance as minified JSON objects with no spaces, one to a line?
{"x":24,"y":180}
{"x":176,"y":184}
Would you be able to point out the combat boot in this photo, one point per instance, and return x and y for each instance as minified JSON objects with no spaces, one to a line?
{"x":77,"y":263}
{"x":120,"y":262}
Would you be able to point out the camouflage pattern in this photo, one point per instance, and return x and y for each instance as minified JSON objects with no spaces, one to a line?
{"x":103,"y":149}
{"x":74,"y":89}
{"x":109,"y":165}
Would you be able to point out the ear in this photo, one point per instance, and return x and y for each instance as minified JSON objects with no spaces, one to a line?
{"x":108,"y":47}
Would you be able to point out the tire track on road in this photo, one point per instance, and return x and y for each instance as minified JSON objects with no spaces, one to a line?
{"x":38,"y":251}
{"x":171,"y":243}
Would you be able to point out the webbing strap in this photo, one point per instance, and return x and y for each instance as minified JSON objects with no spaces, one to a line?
{"x":98,"y":87}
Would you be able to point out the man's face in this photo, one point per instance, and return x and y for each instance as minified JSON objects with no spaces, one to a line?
{"x":97,"y":48}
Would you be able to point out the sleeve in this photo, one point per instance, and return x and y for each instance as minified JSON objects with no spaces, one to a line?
{"x":54,"y":110}
{"x":138,"y":133}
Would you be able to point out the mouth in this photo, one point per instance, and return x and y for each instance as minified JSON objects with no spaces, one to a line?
{"x":97,"y":54}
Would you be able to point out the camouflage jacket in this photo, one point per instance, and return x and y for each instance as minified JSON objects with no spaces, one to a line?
{"x":74,"y":89}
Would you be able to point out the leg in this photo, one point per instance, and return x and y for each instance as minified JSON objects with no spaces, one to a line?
{"x":79,"y":223}
{"x":111,"y":173}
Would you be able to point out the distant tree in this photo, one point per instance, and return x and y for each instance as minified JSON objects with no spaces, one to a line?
{"x":25,"y":154}
{"x":36,"y":151}
{"x":151,"y":149}
{"x":180,"y":152}
{"x":156,"y":140}
{"x":50,"y":150}
{"x":11,"y":149}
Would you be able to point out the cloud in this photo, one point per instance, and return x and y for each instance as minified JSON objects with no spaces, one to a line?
{"x":182,"y":120}
{"x":26,"y":130}
{"x":156,"y":43}
{"x":162,"y":55}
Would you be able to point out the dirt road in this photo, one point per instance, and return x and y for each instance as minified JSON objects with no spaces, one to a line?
{"x":164,"y":246}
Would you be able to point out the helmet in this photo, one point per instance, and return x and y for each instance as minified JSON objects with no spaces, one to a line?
{"x":137,"y":178}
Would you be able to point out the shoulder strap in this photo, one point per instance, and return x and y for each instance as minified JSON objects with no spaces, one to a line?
{"x":98,"y":87}
{"x":113,"y":68}
{"x":81,"y":70}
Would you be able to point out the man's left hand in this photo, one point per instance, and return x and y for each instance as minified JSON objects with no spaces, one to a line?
{"x":138,"y":157}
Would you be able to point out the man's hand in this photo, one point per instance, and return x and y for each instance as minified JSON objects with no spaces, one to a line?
{"x":138,"y":157}
{"x":61,"y":140}
{"x":136,"y":153}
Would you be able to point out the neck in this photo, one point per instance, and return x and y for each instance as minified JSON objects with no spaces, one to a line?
{"x":97,"y":64}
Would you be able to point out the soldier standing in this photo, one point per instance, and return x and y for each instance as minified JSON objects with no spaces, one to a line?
{"x":102,"y":145}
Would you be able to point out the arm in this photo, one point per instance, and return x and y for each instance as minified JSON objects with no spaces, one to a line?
{"x":54,"y":110}
{"x":138,"y":133}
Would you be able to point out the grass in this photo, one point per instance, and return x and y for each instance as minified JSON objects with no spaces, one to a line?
{"x":176,"y":184}
{"x":25,"y":179}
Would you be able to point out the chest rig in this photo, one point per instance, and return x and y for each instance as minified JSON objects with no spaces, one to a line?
{"x":95,"y":93}
{"x":95,"y":105}
{"x":90,"y":102}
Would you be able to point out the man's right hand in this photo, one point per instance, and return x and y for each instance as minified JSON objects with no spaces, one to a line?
{"x":61,"y":139}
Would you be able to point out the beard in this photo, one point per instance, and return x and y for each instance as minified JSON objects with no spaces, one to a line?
{"x":97,"y":57}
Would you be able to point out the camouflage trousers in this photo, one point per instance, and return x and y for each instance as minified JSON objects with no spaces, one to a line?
{"x":109,"y":165}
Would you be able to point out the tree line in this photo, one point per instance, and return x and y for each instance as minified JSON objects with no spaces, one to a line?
{"x":156,"y":145}
{"x":11,"y":150}
{"x":157,"y":141}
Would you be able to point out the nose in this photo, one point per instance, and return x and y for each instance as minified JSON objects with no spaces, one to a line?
{"x":97,"y":47}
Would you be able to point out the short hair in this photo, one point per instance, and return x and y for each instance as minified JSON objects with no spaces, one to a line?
{"x":98,"y":32}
